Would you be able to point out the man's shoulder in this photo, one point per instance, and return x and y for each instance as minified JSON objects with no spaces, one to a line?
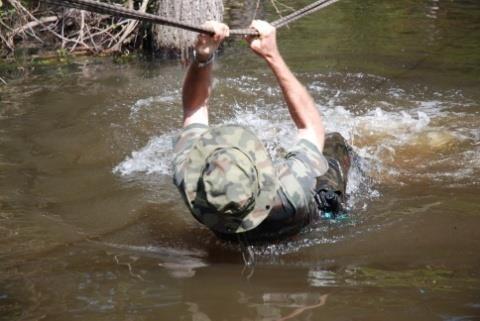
{"x":298,"y":171}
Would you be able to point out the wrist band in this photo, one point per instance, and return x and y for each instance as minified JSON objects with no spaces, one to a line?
{"x":202,"y":64}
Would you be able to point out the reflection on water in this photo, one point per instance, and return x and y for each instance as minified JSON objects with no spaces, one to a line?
{"x":92,"y":228}
{"x":272,"y":305}
{"x":179,"y":263}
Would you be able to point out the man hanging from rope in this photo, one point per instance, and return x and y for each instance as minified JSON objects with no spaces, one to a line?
{"x":226,"y":176}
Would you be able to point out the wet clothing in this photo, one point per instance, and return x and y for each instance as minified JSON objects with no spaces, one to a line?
{"x":229,"y":182}
{"x":299,"y":175}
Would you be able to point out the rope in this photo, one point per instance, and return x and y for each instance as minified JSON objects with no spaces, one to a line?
{"x":119,"y":11}
{"x":311,"y":8}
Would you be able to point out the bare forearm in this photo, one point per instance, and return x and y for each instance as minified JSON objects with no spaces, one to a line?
{"x":300,"y":103}
{"x":198,"y":81}
{"x":296,"y":96}
{"x":195,"y":93}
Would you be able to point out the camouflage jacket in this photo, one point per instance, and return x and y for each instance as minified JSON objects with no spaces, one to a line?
{"x":297,"y":174}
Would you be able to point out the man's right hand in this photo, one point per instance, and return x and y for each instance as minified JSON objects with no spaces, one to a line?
{"x":265,"y":45}
{"x":198,"y":81}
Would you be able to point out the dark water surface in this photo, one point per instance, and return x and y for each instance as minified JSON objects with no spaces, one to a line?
{"x":91,"y":227}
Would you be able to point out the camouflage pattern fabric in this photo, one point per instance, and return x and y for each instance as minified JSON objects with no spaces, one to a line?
{"x":293,"y":179}
{"x":298,"y":173}
{"x":295,"y":207}
{"x":182,"y":147}
{"x":292,"y":212}
{"x":226,"y":177}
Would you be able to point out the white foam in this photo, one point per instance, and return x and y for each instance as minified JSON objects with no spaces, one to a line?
{"x":169,"y":97}
{"x":154,"y":158}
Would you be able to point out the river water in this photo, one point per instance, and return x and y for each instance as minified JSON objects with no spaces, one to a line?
{"x":91,"y":227}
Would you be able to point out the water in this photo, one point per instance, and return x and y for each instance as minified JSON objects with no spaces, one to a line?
{"x":91,"y":227}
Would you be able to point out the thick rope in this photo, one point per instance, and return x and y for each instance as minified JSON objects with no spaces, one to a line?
{"x":119,"y":11}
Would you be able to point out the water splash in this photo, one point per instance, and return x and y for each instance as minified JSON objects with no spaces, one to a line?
{"x":169,"y":97}
{"x":154,"y":158}
{"x":401,"y":135}
{"x":396,"y":125}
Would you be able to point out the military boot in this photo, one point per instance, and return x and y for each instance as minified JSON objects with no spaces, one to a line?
{"x":331,"y":187}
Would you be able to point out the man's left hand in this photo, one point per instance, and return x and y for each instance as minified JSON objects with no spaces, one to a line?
{"x":207,"y":45}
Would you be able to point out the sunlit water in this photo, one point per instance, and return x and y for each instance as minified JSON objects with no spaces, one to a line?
{"x":91,"y":227}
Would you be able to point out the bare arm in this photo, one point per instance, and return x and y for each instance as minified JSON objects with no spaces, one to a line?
{"x":197,"y":85}
{"x":300,"y":104}
{"x":196,"y":91}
